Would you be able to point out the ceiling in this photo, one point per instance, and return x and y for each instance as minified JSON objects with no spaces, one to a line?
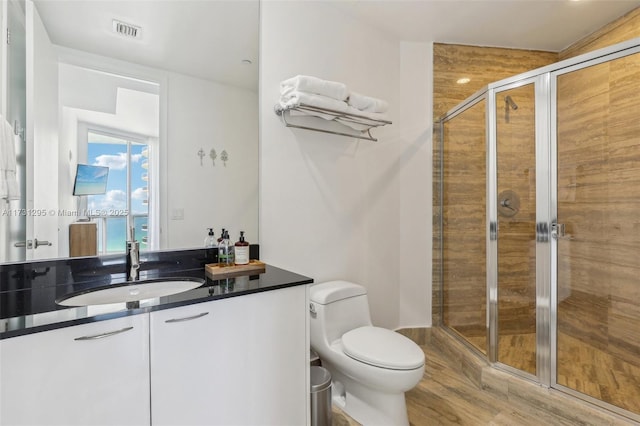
{"x":550,"y":25}
{"x":202,"y":38}
{"x":211,"y":38}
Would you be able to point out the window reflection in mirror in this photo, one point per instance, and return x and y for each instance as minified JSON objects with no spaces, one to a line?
{"x":125,"y":203}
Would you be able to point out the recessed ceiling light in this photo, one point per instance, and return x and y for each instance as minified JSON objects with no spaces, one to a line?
{"x":463,"y":80}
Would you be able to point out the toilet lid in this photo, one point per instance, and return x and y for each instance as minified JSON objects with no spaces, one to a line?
{"x":382,"y":348}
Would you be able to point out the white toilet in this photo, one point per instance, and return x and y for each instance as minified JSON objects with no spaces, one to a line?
{"x":371,"y":367}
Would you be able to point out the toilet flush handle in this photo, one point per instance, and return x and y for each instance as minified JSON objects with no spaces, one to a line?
{"x":312,"y":309}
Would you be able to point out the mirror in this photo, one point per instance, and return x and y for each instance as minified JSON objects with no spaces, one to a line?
{"x":176,"y":101}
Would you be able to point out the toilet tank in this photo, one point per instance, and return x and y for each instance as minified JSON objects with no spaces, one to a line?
{"x":339,"y":306}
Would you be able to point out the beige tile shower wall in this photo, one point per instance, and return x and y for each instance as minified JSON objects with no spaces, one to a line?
{"x":464,"y":266}
{"x":598,"y":292}
{"x":482,"y":65}
{"x":599,"y":194}
{"x":517,"y":229}
{"x":598,"y":199}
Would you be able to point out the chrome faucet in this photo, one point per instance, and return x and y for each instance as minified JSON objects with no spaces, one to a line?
{"x":133,"y":258}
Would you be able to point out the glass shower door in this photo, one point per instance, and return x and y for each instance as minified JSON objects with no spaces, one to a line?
{"x":463,"y":224}
{"x":598,"y":239}
{"x":516,"y":224}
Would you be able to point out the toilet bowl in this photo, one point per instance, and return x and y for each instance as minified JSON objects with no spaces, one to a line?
{"x":371,"y":367}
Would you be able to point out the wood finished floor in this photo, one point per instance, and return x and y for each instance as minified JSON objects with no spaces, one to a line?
{"x":581,"y":366}
{"x":446,"y":396}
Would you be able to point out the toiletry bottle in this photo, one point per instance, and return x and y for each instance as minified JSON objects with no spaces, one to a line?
{"x":241,"y":251}
{"x":230,"y":251}
{"x":218,"y":241}
{"x":210,"y":245}
{"x":223,"y":249}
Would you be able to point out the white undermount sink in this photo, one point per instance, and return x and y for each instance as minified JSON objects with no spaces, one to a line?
{"x":130,"y":292}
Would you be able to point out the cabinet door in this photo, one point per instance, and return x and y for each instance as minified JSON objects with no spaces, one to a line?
{"x":88,"y":374}
{"x":236,"y":361}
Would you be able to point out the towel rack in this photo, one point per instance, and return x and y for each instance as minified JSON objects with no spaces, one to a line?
{"x":361,"y":120}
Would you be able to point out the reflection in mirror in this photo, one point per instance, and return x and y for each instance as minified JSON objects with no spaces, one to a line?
{"x":159,"y":101}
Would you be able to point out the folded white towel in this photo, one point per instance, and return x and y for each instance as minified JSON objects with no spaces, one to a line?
{"x":367,"y":103}
{"x":365,"y":119}
{"x":311,"y":99}
{"x":356,"y":126}
{"x":9,"y":189}
{"x":309,"y":84}
{"x":370,"y":115}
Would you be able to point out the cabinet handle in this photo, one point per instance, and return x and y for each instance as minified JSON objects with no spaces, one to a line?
{"x":187,"y":318}
{"x":103,"y":335}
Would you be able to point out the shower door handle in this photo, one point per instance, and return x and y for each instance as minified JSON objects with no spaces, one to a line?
{"x":557,"y":231}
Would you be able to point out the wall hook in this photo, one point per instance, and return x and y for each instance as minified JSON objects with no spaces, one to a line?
{"x":201,"y":154}
{"x":213,"y":155}
{"x":224,"y":157}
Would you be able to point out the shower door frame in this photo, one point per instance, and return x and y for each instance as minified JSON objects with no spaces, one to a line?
{"x":618,"y":51}
{"x":478,"y":97}
{"x":546,"y":161}
{"x":543,"y":252}
{"x":546,"y":214}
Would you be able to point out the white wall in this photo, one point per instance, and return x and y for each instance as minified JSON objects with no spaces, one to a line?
{"x":207,"y":115}
{"x":67,"y":161}
{"x":416,"y":112}
{"x":333,"y":207}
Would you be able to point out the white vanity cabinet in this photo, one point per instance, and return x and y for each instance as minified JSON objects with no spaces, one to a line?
{"x":88,"y":374}
{"x":235,"y":361}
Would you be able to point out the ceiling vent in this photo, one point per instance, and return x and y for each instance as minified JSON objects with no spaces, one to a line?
{"x":126,"y":30}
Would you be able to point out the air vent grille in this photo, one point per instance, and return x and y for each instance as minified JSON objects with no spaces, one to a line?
{"x":126,"y":30}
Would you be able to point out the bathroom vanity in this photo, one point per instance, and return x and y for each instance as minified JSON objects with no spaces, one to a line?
{"x":232,"y":351}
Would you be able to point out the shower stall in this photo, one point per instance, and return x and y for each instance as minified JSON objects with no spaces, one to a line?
{"x":537,"y":225}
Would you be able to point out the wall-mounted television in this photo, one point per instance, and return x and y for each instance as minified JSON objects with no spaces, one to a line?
{"x":90,"y":180}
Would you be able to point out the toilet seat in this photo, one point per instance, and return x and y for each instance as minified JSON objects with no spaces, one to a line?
{"x":382,"y":348}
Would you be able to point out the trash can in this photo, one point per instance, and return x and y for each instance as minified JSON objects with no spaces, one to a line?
{"x":320,"y":396}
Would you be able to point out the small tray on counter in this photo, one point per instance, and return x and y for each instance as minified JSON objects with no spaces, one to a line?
{"x":217,"y":272}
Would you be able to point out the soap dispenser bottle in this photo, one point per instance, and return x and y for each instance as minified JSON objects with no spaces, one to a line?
{"x":225,"y":250}
{"x":241,"y":251}
{"x":210,"y":245}
{"x":230,"y":254}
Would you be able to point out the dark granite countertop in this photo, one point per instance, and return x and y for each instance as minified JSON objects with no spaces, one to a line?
{"x":28,"y":291}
